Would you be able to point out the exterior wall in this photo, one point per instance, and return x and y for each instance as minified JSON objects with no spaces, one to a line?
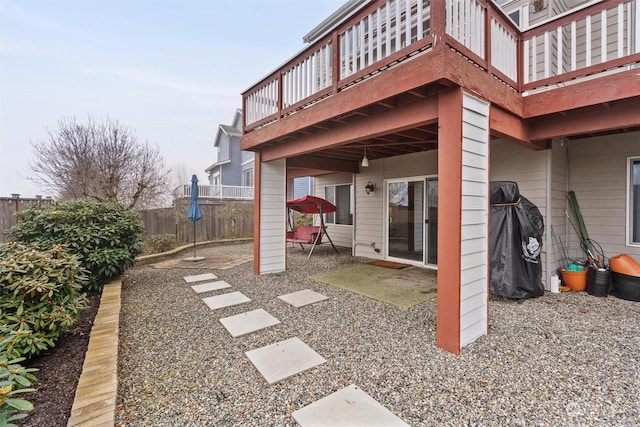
{"x":303,"y":186}
{"x":272,"y":216}
{"x":341,"y":235}
{"x":598,"y":168}
{"x":474,"y":263}
{"x":529,"y":168}
{"x":557,"y":200}
{"x":247,"y":156}
{"x":224,"y":152}
{"x":232,"y":171}
{"x":369,"y":225}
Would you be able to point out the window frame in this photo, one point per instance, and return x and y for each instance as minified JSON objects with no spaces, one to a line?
{"x":248,"y":173}
{"x":631,"y":203}
{"x":330,"y":218}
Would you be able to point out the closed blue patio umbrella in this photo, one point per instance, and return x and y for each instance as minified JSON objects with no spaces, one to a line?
{"x":194,"y":210}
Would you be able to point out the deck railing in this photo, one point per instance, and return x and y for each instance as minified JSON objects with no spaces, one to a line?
{"x":593,"y":40}
{"x":233,"y":192}
{"x":580,"y":43}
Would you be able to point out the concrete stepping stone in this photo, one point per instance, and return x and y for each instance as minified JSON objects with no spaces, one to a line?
{"x":211,"y":286}
{"x":200,"y":277}
{"x":283,"y":359}
{"x":226,"y":300}
{"x":347,"y":407}
{"x":302,"y":298}
{"x":251,"y":321}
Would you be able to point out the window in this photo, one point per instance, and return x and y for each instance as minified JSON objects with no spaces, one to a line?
{"x":247,"y":178}
{"x":633,"y":201}
{"x":342,"y":197}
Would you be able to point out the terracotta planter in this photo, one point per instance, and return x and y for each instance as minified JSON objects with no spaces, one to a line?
{"x":576,"y":280}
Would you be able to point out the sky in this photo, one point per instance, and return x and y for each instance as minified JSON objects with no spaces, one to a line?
{"x":169,"y":70}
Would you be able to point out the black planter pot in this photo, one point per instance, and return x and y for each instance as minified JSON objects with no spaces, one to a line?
{"x":625,"y":286}
{"x":598,"y":282}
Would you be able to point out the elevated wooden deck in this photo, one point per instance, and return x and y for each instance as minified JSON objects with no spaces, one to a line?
{"x":373,"y":81}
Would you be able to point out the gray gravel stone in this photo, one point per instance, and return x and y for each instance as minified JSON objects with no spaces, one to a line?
{"x":567,"y":359}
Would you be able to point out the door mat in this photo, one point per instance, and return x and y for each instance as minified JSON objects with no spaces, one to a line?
{"x":403,"y":288}
{"x":389,"y":264}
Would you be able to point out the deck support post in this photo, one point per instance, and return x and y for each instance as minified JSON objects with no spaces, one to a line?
{"x":449,"y":219}
{"x":269,"y":244}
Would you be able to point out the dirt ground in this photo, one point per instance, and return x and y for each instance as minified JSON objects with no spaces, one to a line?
{"x":59,"y":372}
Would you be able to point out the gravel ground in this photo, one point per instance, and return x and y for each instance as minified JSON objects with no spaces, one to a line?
{"x":562,"y":359}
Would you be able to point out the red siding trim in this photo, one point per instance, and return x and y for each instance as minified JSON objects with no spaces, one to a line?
{"x":449,"y":219}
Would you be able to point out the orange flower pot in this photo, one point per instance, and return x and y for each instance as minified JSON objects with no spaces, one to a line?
{"x":576,"y":280}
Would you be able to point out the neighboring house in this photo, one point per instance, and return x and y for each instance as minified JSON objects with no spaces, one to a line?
{"x":233,"y":166}
{"x":232,"y":175}
{"x":303,"y":186}
{"x":405,"y":110}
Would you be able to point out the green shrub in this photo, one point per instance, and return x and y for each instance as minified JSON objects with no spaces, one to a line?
{"x":39,"y":296}
{"x":300,"y":219}
{"x":160,"y":243}
{"x":107,"y":236}
{"x":14,"y":380}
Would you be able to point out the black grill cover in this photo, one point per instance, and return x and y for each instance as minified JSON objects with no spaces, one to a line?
{"x":515,"y":242}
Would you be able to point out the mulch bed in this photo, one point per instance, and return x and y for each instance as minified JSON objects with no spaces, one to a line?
{"x":59,"y":372}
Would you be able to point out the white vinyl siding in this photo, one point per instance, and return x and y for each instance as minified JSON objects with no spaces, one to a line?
{"x":598,"y":176}
{"x":475,"y":218}
{"x":557,"y":202}
{"x":272,"y":216}
{"x":528,"y":168}
{"x":369,"y":222}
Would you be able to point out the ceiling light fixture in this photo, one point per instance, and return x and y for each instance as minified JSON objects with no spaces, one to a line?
{"x":365,"y":161}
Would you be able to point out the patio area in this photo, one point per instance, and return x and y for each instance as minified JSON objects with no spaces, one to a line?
{"x":562,"y":359}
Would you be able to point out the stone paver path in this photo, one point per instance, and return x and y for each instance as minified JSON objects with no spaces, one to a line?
{"x":211,"y":286}
{"x":303,"y":297}
{"x":251,"y":321}
{"x":283,"y":359}
{"x":226,"y":300}
{"x":200,"y":277}
{"x":347,"y":408}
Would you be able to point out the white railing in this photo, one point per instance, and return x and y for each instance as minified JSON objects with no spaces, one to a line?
{"x":465,"y":23}
{"x":587,"y":41}
{"x":597,"y":37}
{"x":504,"y":49}
{"x":234,"y":192}
{"x":391,"y":27}
{"x":307,"y":77}
{"x":262,"y":103}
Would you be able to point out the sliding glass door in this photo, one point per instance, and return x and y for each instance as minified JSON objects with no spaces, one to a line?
{"x":412,"y":220}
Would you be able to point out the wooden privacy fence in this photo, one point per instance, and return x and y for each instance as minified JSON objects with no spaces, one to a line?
{"x":219,"y":221}
{"x":10,"y":205}
{"x":225,"y":220}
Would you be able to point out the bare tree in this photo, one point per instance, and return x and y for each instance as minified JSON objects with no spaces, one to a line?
{"x":100,"y":160}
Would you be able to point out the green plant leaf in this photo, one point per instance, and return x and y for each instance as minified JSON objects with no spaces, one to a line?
{"x":19,"y":404}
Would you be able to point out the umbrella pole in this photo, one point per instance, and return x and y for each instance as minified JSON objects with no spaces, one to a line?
{"x":194,"y":240}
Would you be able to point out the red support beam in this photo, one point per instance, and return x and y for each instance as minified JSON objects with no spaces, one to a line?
{"x":614,"y":87}
{"x":449,"y":219}
{"x":617,"y":115}
{"x":406,"y":117}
